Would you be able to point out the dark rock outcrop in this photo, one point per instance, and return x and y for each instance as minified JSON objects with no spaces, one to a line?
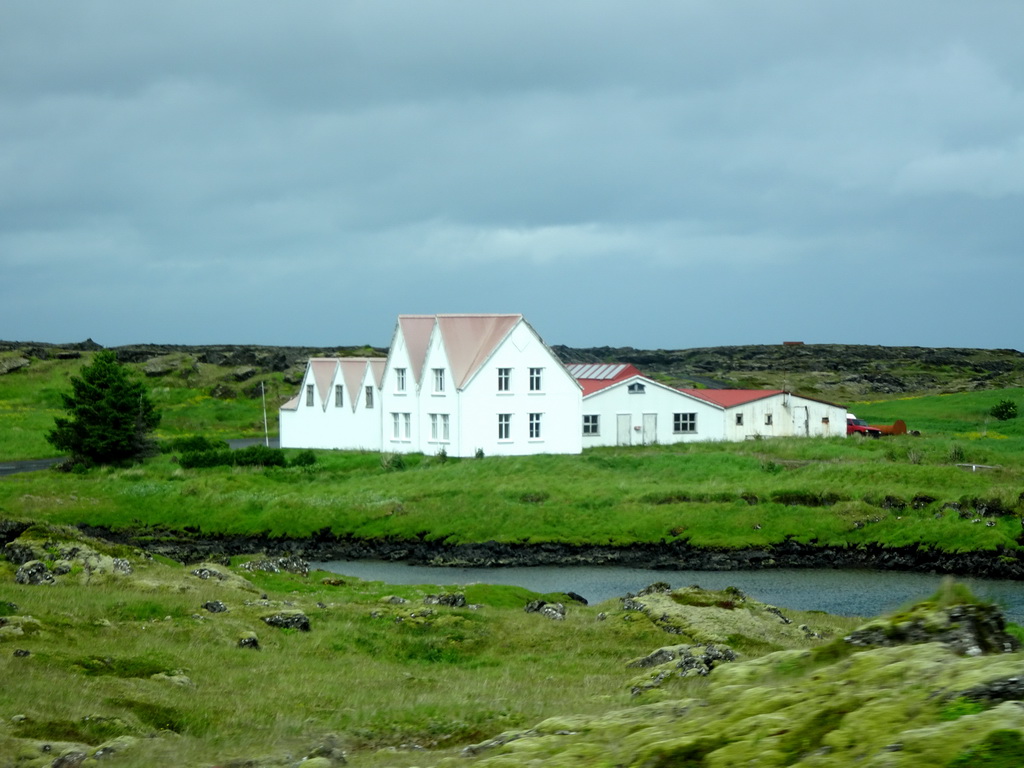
{"x":968,"y":630}
{"x":288,"y":620}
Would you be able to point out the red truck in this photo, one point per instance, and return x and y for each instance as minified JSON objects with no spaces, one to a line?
{"x":855,"y":426}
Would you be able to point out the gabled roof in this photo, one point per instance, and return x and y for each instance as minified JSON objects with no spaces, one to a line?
{"x":377,"y":366}
{"x":728,"y":398}
{"x":353,"y":371}
{"x":416,"y":330}
{"x":470,"y":339}
{"x":594,"y":377}
{"x":323,"y":369}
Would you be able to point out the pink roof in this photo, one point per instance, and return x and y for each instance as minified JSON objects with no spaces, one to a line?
{"x":594,"y":377}
{"x":353,"y":369}
{"x":470,"y":339}
{"x":416,"y":330}
{"x":727,"y":398}
{"x":323,"y":374}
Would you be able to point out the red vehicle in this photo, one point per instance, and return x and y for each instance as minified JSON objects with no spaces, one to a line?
{"x":855,"y":426}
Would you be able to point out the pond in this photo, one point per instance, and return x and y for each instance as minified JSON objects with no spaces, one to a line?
{"x":845,"y":593}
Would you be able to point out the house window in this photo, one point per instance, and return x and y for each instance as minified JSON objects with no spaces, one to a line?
{"x":504,"y":379}
{"x":824,"y":419}
{"x":637,"y":388}
{"x":591,"y":424}
{"x":400,"y":379}
{"x":535,"y":426}
{"x":339,"y":395}
{"x":401,"y":426}
{"x":309,"y":394}
{"x":684,"y":423}
{"x":439,"y":426}
{"x":504,"y":426}
{"x":535,"y":379}
{"x":369,"y":397}
{"x":439,"y":379}
{"x":739,"y":419}
{"x":767,"y":419}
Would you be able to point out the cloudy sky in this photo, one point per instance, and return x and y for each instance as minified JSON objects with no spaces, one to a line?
{"x":655,"y":174}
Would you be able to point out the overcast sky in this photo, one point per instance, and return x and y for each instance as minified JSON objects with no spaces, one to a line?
{"x":653,"y":174}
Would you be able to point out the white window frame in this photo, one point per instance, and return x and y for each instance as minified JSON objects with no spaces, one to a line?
{"x":504,"y":426}
{"x":504,"y":379}
{"x":440,"y":427}
{"x":739,"y":419}
{"x":368,"y":397}
{"x":339,"y":395}
{"x":536,"y":379}
{"x":535,"y":431}
{"x":309,"y":395}
{"x":591,"y":424}
{"x":438,"y":380}
{"x":684,"y":423}
{"x":400,"y":379}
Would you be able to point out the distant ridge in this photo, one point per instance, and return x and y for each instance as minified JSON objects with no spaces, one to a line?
{"x":838,"y":372}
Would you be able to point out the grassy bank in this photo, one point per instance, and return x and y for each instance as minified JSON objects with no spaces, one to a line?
{"x":833,"y":492}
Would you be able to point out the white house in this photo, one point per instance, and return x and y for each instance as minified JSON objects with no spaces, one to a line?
{"x":465,"y":384}
{"x":461,"y":384}
{"x":621,"y":406}
{"x":336,"y":406}
{"x":751,"y":413}
{"x":469,"y":383}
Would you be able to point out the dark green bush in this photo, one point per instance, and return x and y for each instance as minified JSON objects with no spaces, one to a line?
{"x":192,"y":444}
{"x":253,"y":456}
{"x":1004,"y":410}
{"x":259,"y":456}
{"x":304,"y":459}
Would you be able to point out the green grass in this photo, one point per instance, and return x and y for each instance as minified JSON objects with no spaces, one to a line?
{"x":893,"y":492}
{"x":30,"y":400}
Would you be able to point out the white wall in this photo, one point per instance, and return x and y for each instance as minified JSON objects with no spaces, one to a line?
{"x":393,"y":400}
{"x":650,"y":415}
{"x":791,"y":416}
{"x":558,"y":402}
{"x":324,"y":424}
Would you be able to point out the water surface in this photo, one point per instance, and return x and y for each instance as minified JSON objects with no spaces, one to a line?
{"x":845,"y":593}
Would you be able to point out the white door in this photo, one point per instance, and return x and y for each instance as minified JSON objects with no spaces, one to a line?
{"x":650,"y":428}
{"x":625,"y":431}
{"x":801,"y":423}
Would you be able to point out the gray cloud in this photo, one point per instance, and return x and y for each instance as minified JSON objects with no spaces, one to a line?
{"x":667,"y":174}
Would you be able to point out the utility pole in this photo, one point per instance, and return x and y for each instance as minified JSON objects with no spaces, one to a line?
{"x":266,"y":429}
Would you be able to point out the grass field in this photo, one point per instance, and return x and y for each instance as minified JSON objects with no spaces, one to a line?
{"x":892,"y":491}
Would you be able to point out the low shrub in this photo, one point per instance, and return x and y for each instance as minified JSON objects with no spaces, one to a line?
{"x":253,"y":456}
{"x":192,"y":444}
{"x":1004,"y":410}
{"x":304,"y":459}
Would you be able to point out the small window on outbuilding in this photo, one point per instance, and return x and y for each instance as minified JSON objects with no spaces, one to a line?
{"x":636,"y":388}
{"x":739,"y":419}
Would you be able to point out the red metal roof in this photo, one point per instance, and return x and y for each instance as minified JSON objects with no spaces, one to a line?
{"x":727,"y":398}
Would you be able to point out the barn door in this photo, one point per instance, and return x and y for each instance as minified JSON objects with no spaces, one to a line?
{"x":650,"y":428}
{"x":625,"y":429}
